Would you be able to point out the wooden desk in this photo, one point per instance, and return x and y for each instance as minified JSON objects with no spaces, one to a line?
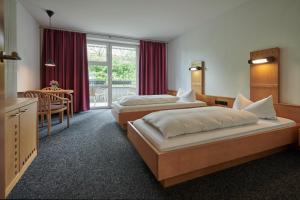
{"x":57,"y":91}
{"x":62,"y":91}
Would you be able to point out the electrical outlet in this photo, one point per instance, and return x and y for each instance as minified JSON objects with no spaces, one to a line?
{"x":219,"y":102}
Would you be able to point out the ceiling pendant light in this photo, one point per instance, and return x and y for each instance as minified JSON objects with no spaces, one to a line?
{"x":50,"y":62}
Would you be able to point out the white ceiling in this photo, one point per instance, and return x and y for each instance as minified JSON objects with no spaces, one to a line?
{"x":142,"y":19}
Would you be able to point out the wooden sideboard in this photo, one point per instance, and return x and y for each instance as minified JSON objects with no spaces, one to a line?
{"x":20,"y":140}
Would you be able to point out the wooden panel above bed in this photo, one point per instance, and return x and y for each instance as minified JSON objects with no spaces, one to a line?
{"x":197,"y":81}
{"x":264,"y":78}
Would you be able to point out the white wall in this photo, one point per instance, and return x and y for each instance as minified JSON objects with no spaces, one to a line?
{"x":10,"y":44}
{"x":225,"y":44}
{"x":28,"y":46}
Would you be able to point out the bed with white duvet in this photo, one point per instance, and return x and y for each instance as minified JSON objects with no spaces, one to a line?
{"x":175,"y":129}
{"x":137,"y":103}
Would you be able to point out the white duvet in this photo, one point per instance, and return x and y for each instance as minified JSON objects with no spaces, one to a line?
{"x":172,"y":123}
{"x":147,"y":100}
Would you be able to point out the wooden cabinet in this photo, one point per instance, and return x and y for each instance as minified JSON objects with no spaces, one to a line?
{"x":28,"y":137}
{"x":11,"y":145}
{"x":20,"y":141}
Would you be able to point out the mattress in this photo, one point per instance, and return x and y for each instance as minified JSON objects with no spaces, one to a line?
{"x":121,"y":109}
{"x":162,"y":144}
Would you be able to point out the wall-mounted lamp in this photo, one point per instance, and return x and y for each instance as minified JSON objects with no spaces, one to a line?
{"x":262,"y":60}
{"x":197,"y":65}
{"x":195,"y":68}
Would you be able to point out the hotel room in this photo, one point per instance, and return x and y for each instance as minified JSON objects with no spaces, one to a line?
{"x":140,"y":99}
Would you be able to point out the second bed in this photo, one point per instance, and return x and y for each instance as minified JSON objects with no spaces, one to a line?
{"x":137,"y":109}
{"x":179,"y":158}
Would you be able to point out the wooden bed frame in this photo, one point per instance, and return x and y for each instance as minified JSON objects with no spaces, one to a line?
{"x":176,"y":166}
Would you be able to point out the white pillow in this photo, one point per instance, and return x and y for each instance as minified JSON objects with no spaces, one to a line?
{"x":241,"y":102}
{"x":188,"y":96}
{"x":264,"y":108}
{"x":179,"y":92}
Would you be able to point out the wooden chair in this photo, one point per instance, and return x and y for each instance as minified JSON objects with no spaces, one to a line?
{"x":63,"y":95}
{"x":49,"y":104}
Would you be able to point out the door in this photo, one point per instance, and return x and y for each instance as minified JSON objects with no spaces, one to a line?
{"x":98,"y":74}
{"x":8,"y":85}
{"x":2,"y":76}
{"x":2,"y":88}
{"x":124,"y":71}
{"x":112,"y":72}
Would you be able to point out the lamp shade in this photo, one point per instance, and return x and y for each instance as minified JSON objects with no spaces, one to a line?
{"x":262,"y":60}
{"x":195,"y":68}
{"x":50,"y":63}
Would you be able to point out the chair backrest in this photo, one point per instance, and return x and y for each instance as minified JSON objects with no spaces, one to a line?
{"x":44,"y":100}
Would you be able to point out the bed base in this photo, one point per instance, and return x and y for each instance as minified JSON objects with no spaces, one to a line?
{"x":176,"y":166}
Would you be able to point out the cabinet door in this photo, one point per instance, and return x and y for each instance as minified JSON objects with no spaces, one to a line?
{"x":11,"y":146}
{"x":28,"y":132}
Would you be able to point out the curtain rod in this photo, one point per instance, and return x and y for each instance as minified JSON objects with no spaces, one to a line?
{"x":100,"y":34}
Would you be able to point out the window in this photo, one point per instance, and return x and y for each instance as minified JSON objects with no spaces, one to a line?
{"x":112,"y":72}
{"x":97,"y":53}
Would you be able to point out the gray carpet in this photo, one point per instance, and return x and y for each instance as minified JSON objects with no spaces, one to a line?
{"x":93,"y":159}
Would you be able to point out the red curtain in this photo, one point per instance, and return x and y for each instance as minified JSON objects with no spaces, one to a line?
{"x":69,"y":52}
{"x":152,"y":68}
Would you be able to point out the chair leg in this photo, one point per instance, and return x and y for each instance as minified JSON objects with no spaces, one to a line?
{"x":42,"y":119}
{"x":72,"y":109}
{"x":49,"y":124}
{"x":68,"y":116}
{"x":61,"y":117}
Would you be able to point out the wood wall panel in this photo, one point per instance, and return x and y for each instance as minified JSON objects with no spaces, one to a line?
{"x":197,"y":81}
{"x":265,"y":78}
